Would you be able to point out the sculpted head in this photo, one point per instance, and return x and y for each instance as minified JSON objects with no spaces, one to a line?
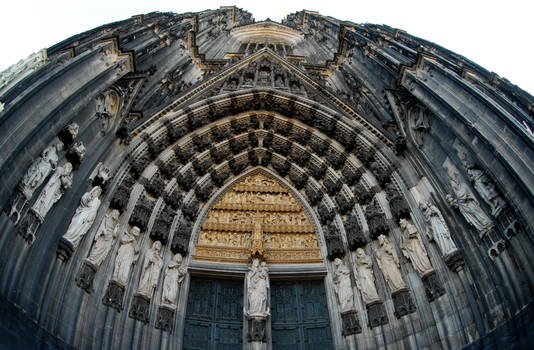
{"x":423,"y":205}
{"x":337,"y":262}
{"x":403,"y":223}
{"x":96,"y":192}
{"x":115,"y":214}
{"x":360,"y":253}
{"x":178,"y":258}
{"x":382,"y":240}
{"x":156,"y":246}
{"x":135,"y":231}
{"x":67,"y":168}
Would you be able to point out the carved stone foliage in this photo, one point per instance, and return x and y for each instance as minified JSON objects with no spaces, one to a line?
{"x":114,"y":295}
{"x":196,"y":121}
{"x":282,"y":167}
{"x":237,"y":145}
{"x":433,"y":286}
{"x":155,"y":186}
{"x":253,"y":158}
{"x":376,"y":221}
{"x":314,"y":195}
{"x":184,"y":154}
{"x":335,"y":159}
{"x":140,"y":308}
{"x":141,"y":213}
{"x":85,"y":276}
{"x":403,"y":303}
{"x":173,"y":199}
{"x":201,"y":166}
{"x":345,"y":205}
{"x":186,"y":180}
{"x":154,"y":147}
{"x":355,"y":236}
{"x":165,"y":319}
{"x":317,"y":171}
{"x":218,"y":177}
{"x":319,"y":146}
{"x":350,"y":323}
{"x":298,"y":179}
{"x":239,"y":126}
{"x":219,"y":154}
{"x":301,"y":136}
{"x":332,"y":185}
{"x":397,"y":203}
{"x":382,"y":175}
{"x":325,"y":214}
{"x":334,"y":244}
{"x":204,"y":192}
{"x":301,"y":157}
{"x":201,"y":142}
{"x":138,"y":165}
{"x":221,"y":132}
{"x":362,"y":195}
{"x":352,"y":176}
{"x":364,"y":155}
{"x":282,"y":147}
{"x":253,"y":139}
{"x":257,"y":329}
{"x":237,"y":165}
{"x":376,"y":314}
{"x":180,"y":241}
{"x":190,"y":209}
{"x":162,"y":226}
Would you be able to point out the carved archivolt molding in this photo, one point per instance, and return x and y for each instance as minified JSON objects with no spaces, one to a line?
{"x":287,"y":236}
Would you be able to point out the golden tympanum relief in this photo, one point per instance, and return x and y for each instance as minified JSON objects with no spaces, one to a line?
{"x":257,"y":218}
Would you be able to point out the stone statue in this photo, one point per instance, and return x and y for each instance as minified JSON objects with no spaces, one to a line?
{"x":173,"y":277}
{"x":83,"y":217}
{"x":151,"y":270}
{"x":389,"y":264}
{"x":470,"y":208}
{"x":486,"y":189}
{"x":40,"y":169}
{"x":365,"y":279}
{"x":106,"y":233}
{"x":413,"y":249}
{"x":343,"y":285}
{"x":53,"y":190}
{"x":437,"y":228}
{"x":257,"y":237}
{"x":126,"y":256}
{"x":257,"y":285}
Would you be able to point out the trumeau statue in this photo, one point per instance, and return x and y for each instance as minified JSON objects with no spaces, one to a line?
{"x":343,"y":286}
{"x":389,"y":264}
{"x":486,"y":189}
{"x":257,"y":289}
{"x":173,"y":278}
{"x":106,"y":233}
{"x":151,"y":270}
{"x":413,"y":249}
{"x":83,"y":217}
{"x":53,"y":190}
{"x":126,"y":256}
{"x":365,"y":279}
{"x":40,"y":169}
{"x":437,"y":228}
{"x":469,"y":207}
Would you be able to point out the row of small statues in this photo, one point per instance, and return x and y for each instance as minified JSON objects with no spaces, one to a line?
{"x":247,"y":217}
{"x":271,"y":240}
{"x":252,"y":198}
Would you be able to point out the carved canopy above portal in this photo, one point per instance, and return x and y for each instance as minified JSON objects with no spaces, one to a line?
{"x":288,"y":235}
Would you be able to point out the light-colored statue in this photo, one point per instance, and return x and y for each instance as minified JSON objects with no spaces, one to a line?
{"x":470,"y":208}
{"x":413,"y":249}
{"x":486,"y":189}
{"x":173,"y":277}
{"x":365,"y":279}
{"x":343,"y":286}
{"x":83,"y":217}
{"x":437,"y":229}
{"x":106,"y":233}
{"x":257,"y":289}
{"x":53,"y":190}
{"x":40,"y":169}
{"x":389,"y":264}
{"x":151,"y":270}
{"x":126,"y":256}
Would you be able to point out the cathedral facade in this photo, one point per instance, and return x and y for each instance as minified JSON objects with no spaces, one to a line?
{"x":205,"y":181}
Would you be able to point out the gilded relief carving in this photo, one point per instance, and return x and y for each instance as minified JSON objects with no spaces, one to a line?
{"x":257,"y":215}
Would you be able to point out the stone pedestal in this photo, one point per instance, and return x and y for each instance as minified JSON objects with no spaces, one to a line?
{"x":433,"y":287}
{"x":140,"y":308}
{"x":376,"y":313}
{"x":257,"y":329}
{"x":65,"y":249}
{"x":28,"y":226}
{"x":165,"y":318}
{"x":85,"y":276}
{"x":114,"y":295}
{"x":454,"y":260}
{"x":403,"y":302}
{"x":350,"y":323}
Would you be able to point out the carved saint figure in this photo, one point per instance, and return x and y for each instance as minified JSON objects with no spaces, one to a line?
{"x":389,"y":264}
{"x":257,"y":288}
{"x":106,"y":233}
{"x":365,"y":279}
{"x":53,"y":190}
{"x":486,"y":189}
{"x":126,"y":256}
{"x":40,"y":169}
{"x":173,"y":277}
{"x":257,"y":236}
{"x":437,"y":228}
{"x":469,"y":207}
{"x":83,"y":217}
{"x":413,"y":249}
{"x":151,"y":270}
{"x":343,"y":285}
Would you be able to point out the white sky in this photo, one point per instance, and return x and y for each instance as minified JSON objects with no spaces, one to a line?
{"x":498,"y":35}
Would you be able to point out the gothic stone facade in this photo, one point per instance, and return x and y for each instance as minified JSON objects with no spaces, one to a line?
{"x":411,"y":167}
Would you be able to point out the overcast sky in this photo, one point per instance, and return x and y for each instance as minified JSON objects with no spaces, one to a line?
{"x":498,"y":35}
